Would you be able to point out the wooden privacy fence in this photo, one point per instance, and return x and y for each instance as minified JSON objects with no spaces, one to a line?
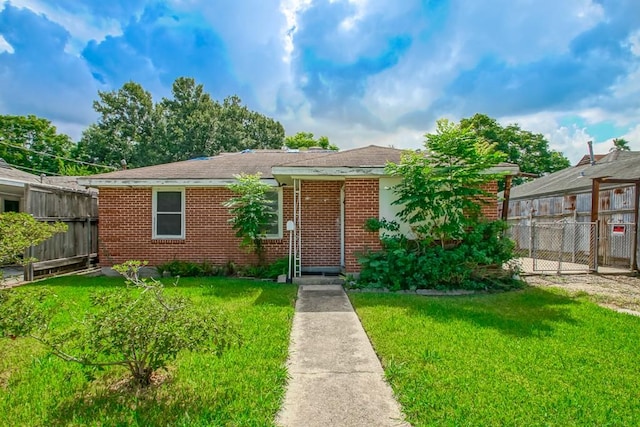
{"x":73,"y":250}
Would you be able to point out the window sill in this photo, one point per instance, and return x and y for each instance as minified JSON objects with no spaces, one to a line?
{"x":177,"y":240}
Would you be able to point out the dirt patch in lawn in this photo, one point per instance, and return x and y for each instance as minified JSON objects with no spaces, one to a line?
{"x":618,"y":292}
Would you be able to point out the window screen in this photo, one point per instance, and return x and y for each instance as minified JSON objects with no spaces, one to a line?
{"x":273,"y":201}
{"x":169,"y":214}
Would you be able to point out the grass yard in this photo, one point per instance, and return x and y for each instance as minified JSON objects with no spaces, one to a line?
{"x":244,"y":386}
{"x":526,"y":358}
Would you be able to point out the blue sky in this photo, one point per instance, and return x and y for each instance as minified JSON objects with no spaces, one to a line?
{"x":359,"y":71}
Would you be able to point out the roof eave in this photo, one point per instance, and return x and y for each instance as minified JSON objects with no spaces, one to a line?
{"x":12,"y":183}
{"x":163,"y":182}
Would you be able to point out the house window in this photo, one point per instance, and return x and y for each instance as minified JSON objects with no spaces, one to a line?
{"x":11,"y":206}
{"x":274,"y":202}
{"x":168,"y":214}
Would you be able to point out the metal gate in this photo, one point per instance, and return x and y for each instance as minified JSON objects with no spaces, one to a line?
{"x":566,"y":246}
{"x":563,"y":246}
{"x":556,"y":246}
{"x":615,"y":248}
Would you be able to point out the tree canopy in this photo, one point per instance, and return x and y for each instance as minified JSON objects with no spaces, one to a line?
{"x":620,"y":144}
{"x":190,"y":124}
{"x":528,"y":150}
{"x":34,"y":144}
{"x":302,"y":140}
{"x":441,"y":192}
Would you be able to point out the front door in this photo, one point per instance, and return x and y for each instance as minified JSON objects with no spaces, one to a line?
{"x":321,"y":229}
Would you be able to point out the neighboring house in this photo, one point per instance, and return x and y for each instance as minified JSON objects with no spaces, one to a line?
{"x":53,"y":199}
{"x":12,"y":184}
{"x":566,"y":196}
{"x":175,"y":211}
{"x":14,"y":181}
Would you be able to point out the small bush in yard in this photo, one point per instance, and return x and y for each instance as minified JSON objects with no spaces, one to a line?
{"x":139,"y":328}
{"x":19,"y":231}
{"x":250,"y":212}
{"x":188,"y":269}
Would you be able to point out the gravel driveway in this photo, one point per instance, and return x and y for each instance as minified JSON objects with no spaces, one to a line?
{"x":618,"y":292}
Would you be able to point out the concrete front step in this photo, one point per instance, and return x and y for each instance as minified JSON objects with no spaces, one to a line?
{"x":318,"y":280}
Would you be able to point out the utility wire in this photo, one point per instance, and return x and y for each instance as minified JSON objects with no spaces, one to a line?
{"x":34,"y":170}
{"x":54,"y":156}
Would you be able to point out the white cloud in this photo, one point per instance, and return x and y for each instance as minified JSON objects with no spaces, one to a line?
{"x":291,"y":9}
{"x":83,"y":26}
{"x":634,"y":43}
{"x":5,"y":46}
{"x":633,"y":137}
{"x":570,"y":140}
{"x":396,"y":103}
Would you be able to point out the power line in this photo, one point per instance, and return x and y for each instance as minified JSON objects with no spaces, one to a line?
{"x":32,"y":169}
{"x":2,"y":141}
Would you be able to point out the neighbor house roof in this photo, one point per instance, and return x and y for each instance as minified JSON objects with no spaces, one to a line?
{"x":10,"y":175}
{"x":586,"y":159}
{"x":624,"y":165}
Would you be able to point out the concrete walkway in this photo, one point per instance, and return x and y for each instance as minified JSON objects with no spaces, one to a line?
{"x":335,"y":376}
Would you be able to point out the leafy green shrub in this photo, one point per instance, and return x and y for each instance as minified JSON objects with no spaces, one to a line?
{"x":141,"y":329}
{"x":250,"y":212}
{"x":440,"y":198}
{"x":229,"y":269}
{"x":177,"y":268}
{"x":271,"y":271}
{"x":475,"y":263}
{"x":278,"y":267}
{"x":25,"y":310}
{"x":19,"y":231}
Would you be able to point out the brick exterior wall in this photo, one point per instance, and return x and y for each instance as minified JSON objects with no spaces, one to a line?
{"x":320,"y":223}
{"x":125,"y":229}
{"x":490,"y":209}
{"x":361,"y":202}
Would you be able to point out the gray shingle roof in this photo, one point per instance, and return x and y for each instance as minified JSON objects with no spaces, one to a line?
{"x":227,"y":165}
{"x":371,"y":156}
{"x":13,"y":174}
{"x":617,"y":165}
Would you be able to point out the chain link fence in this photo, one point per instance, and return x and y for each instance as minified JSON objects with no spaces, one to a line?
{"x":556,"y":246}
{"x":615,"y":247}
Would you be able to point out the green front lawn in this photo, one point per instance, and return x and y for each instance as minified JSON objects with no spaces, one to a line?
{"x":526,"y":358}
{"x":244,"y":386}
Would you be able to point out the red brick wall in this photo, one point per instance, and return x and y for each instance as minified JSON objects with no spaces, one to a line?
{"x":490,"y":209}
{"x":125,"y":229}
{"x":361,"y":202}
{"x":320,"y":223}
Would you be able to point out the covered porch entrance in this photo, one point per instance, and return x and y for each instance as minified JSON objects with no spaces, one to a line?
{"x":318,"y":215}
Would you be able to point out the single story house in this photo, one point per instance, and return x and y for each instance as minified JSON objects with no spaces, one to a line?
{"x":175,"y":211}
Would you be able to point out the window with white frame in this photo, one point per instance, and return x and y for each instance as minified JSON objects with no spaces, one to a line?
{"x":168,"y":213}
{"x":274,"y":203}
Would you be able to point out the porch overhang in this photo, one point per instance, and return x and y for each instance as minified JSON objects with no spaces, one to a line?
{"x":504,"y":168}
{"x":285,"y":175}
{"x":11,"y":188}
